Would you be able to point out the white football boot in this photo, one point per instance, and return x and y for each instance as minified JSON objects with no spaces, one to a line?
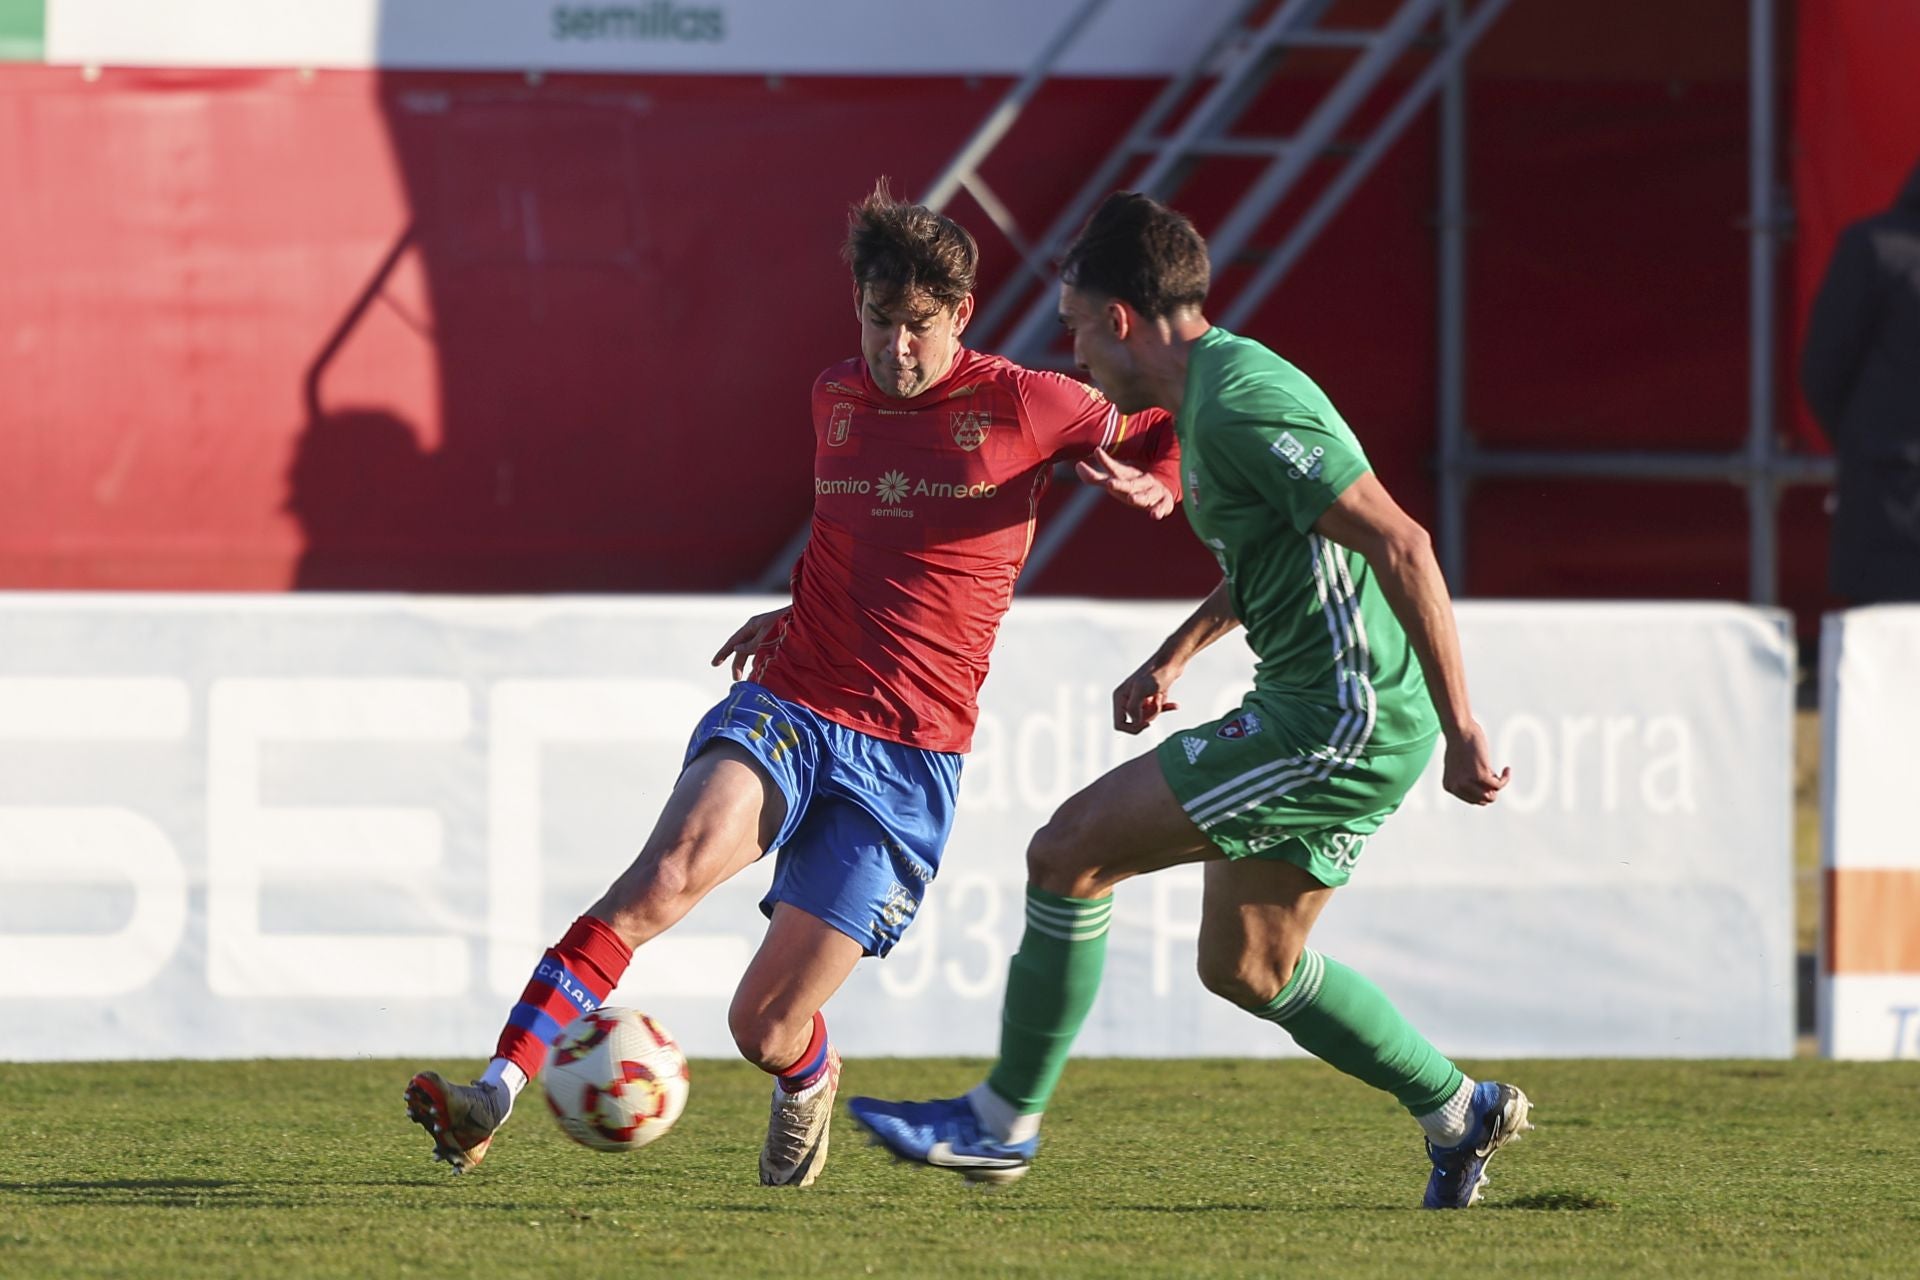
{"x":797,"y":1129}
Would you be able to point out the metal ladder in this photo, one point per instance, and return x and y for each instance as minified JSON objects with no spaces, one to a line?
{"x":1244,"y":55}
{"x":1242,"y":58}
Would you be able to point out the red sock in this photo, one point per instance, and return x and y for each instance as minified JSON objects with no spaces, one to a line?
{"x":811,"y":1064}
{"x":575,"y":976}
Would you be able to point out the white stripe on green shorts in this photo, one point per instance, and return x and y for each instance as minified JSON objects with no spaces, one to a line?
{"x":1353,"y":662}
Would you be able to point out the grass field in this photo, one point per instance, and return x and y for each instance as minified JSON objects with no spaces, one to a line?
{"x":1211,"y":1168}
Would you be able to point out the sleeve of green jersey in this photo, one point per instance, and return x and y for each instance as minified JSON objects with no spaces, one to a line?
{"x":1296,"y":462}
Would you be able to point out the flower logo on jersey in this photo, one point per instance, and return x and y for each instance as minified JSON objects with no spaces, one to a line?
{"x":893,"y":486}
{"x":840,"y":424}
{"x":970,"y":429}
{"x":1244,"y":725}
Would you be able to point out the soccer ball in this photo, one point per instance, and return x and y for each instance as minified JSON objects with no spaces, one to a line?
{"x":615,"y":1080}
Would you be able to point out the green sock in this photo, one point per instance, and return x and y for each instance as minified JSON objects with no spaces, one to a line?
{"x":1344,"y":1020}
{"x":1050,"y":989}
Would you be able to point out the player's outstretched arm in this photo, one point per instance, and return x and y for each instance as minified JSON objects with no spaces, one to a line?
{"x":745,"y":642}
{"x":1127,"y":484}
{"x":1366,"y":519}
{"x":1142,"y":696}
{"x":1069,"y":420}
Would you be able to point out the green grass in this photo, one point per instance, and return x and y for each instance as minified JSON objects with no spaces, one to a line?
{"x":1211,"y":1168}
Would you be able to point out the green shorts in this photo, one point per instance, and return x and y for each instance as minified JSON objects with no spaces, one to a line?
{"x":1259,"y":794}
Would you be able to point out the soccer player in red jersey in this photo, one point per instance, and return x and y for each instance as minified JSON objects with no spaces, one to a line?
{"x":843,"y":750}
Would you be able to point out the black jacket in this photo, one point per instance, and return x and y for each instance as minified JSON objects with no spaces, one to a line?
{"x":1861,"y":374}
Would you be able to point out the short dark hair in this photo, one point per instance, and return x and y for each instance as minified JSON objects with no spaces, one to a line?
{"x":897,"y":250}
{"x":1137,"y":250}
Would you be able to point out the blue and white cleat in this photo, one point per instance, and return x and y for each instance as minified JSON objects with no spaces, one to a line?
{"x":946,"y":1134}
{"x":1498,"y":1116}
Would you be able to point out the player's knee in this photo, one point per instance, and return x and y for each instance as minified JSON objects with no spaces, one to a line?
{"x":763,"y":1037}
{"x":751,"y":1035}
{"x":1043,"y":855}
{"x":1240,"y":979}
{"x":1059,"y":860}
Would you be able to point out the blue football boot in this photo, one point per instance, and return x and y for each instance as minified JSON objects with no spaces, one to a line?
{"x":945,"y":1134}
{"x":1498,"y":1116}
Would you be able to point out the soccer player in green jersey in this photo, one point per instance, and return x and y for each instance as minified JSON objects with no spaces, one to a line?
{"x":1359,"y":672}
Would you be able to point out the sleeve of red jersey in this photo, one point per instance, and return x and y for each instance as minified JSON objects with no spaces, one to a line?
{"x":1069,"y":419}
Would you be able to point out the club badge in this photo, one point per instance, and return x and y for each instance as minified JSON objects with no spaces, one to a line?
{"x":970,"y":429}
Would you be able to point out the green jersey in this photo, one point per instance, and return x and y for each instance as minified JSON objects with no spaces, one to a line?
{"x":1264,"y":453}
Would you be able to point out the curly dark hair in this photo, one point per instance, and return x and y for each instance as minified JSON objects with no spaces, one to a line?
{"x":898,"y":250}
{"x":1137,"y":250}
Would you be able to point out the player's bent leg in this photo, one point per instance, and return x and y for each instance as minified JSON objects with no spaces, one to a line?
{"x":777,"y":1024}
{"x":1255,"y":919}
{"x":1123,"y":824}
{"x":723,"y":812}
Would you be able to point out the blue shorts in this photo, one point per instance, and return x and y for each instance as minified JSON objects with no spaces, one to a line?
{"x":866,"y":821}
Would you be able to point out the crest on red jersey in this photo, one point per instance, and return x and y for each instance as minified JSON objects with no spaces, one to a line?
{"x":840,"y":423}
{"x":970,"y":430}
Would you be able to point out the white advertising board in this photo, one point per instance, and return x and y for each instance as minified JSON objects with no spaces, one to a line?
{"x":344,"y":826}
{"x":757,"y":37}
{"x":1869,"y":999}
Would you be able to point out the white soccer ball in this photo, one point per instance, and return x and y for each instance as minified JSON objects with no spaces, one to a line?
{"x":615,"y":1080}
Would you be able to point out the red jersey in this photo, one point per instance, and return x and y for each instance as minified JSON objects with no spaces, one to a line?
{"x":923,"y":513}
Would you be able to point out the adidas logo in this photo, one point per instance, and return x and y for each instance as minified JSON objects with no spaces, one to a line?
{"x":1193,"y":748}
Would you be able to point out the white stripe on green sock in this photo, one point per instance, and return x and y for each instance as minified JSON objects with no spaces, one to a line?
{"x":1051,"y":985}
{"x":1341,"y":1018}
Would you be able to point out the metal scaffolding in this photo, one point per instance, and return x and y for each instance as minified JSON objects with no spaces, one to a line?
{"x":1761,"y":466}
